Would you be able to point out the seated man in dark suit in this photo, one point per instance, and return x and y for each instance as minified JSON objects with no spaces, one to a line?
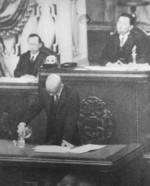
{"x":30,"y":61}
{"x":125,"y":41}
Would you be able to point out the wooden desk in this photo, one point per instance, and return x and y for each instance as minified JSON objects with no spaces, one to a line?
{"x":126,"y":94}
{"x":111,"y":165}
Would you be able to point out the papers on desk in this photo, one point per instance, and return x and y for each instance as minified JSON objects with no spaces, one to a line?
{"x":86,"y":148}
{"x":118,"y":67}
{"x":147,"y":155}
{"x":60,"y":149}
{"x":17,"y":80}
{"x":51,"y":148}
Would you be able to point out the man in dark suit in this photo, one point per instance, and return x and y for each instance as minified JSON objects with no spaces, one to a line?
{"x":30,"y":61}
{"x":61,"y":103}
{"x":127,"y":40}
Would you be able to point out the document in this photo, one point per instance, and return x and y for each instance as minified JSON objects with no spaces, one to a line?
{"x":86,"y":148}
{"x":60,"y":149}
{"x":51,"y":148}
{"x":120,"y":67}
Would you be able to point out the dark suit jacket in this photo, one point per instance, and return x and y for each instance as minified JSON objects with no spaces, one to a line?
{"x":113,"y":52}
{"x":24,"y":65}
{"x":62,"y":123}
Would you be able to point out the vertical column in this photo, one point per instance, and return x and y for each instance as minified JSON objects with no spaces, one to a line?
{"x":46,"y":25}
{"x":81,"y":7}
{"x":63,"y":32}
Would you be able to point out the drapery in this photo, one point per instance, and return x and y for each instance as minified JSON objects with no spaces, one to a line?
{"x":13,"y":16}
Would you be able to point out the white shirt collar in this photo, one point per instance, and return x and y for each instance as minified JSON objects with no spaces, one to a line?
{"x":124,"y":36}
{"x":34,"y":55}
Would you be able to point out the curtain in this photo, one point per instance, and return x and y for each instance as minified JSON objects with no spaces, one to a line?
{"x":13,"y":16}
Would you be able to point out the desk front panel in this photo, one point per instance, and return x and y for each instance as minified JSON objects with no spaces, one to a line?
{"x":111,"y":165}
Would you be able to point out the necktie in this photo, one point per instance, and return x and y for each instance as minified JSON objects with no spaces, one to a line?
{"x":56,"y":101}
{"x":122,"y":41}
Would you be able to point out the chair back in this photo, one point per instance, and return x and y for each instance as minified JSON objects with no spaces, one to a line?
{"x":95,"y":122}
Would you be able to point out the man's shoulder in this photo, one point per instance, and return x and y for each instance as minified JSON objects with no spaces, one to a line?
{"x":138,"y":32}
{"x":42,"y":55}
{"x":25,"y":55}
{"x":70,"y":90}
{"x":112,"y":36}
{"x":46,"y":51}
{"x":42,"y":93}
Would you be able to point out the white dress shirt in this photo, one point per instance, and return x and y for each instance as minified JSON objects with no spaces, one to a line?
{"x":123,"y":38}
{"x":33,"y":56}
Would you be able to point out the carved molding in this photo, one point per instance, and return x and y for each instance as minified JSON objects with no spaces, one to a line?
{"x":95,"y":122}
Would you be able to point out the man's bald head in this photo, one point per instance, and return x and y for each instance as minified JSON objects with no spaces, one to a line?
{"x":53,"y":83}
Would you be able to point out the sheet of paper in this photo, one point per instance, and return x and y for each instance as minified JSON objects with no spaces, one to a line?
{"x":51,"y":148}
{"x":86,"y":148}
{"x":120,"y":67}
{"x":60,"y":149}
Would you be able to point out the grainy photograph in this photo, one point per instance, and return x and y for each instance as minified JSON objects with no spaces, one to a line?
{"x":74,"y":92}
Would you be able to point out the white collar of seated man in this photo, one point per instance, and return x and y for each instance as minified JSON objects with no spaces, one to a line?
{"x":33,"y":56}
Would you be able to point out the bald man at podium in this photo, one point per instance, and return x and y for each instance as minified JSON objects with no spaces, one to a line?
{"x":61,"y":104}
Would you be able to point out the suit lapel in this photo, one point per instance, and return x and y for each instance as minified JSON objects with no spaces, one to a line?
{"x":48,"y":100}
{"x":62,"y":100}
{"x":116,"y":46}
{"x":129,"y":44}
{"x":37,"y":61}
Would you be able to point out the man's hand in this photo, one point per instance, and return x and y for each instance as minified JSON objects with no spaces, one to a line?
{"x":64,"y":143}
{"x":21,"y":129}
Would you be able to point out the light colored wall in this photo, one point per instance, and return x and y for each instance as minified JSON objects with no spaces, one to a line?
{"x":106,"y":12}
